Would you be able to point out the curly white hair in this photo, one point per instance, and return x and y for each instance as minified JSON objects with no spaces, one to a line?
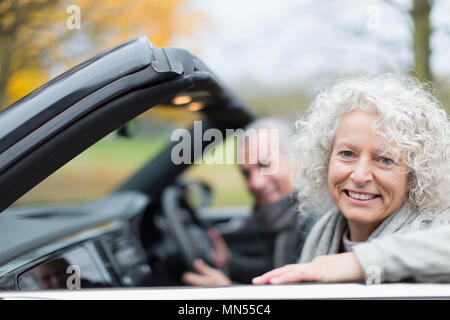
{"x":410,"y":118}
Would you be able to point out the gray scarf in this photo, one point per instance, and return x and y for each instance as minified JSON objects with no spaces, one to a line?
{"x":326,"y":236}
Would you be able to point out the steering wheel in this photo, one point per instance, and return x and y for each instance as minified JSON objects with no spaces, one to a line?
{"x":189,"y":232}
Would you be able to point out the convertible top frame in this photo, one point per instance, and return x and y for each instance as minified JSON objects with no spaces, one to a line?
{"x":53,"y":124}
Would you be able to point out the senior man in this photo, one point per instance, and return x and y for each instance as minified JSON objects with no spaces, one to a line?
{"x":268,"y":173}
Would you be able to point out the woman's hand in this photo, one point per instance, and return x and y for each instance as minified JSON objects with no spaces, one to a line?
{"x":332,"y":268}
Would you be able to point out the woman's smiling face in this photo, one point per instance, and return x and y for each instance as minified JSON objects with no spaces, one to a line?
{"x":366,"y":184}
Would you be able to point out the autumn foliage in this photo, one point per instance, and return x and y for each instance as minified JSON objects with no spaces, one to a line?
{"x":36,"y":44}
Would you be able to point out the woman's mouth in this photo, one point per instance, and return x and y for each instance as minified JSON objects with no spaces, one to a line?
{"x":360,"y":196}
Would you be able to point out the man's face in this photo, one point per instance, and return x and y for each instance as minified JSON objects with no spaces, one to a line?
{"x":52,"y":275}
{"x":266,"y":186}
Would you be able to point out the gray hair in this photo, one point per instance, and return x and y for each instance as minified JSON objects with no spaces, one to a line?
{"x":410,"y":118}
{"x":285,"y":129}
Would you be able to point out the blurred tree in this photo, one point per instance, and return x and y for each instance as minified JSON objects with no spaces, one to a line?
{"x":443,"y":91}
{"x":34,"y":35}
{"x":419,"y":14}
{"x":422,"y":35}
{"x":18,"y":28}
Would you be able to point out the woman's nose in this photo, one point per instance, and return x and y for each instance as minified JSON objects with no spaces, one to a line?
{"x":362,"y":172}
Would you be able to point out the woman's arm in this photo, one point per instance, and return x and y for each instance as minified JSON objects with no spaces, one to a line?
{"x":422,"y":256}
{"x":332,"y":268}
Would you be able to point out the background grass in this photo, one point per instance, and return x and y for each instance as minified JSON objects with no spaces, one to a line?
{"x":108,"y":163}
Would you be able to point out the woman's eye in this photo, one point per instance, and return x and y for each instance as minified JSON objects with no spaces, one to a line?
{"x":386,"y":161}
{"x":346,"y":154}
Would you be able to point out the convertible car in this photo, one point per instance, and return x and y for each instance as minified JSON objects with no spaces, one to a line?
{"x":144,"y":231}
{"x":121,"y":238}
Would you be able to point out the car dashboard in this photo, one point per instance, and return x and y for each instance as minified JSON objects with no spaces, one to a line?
{"x":99,"y":246}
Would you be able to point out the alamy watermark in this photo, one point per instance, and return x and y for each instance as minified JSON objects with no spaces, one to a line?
{"x":373,"y":273}
{"x":73,"y":281}
{"x":74,"y":20}
{"x":253,"y":146}
{"x":373,"y":21}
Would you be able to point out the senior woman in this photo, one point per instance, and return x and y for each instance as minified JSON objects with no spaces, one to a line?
{"x":378,"y":147}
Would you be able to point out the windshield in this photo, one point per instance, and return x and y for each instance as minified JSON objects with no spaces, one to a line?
{"x":108,"y":163}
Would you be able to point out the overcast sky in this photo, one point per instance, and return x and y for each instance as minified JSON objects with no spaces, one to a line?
{"x":276,"y":42}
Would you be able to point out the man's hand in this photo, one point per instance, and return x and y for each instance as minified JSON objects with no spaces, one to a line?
{"x":332,"y":268}
{"x":221,"y":254}
{"x":205,"y":276}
